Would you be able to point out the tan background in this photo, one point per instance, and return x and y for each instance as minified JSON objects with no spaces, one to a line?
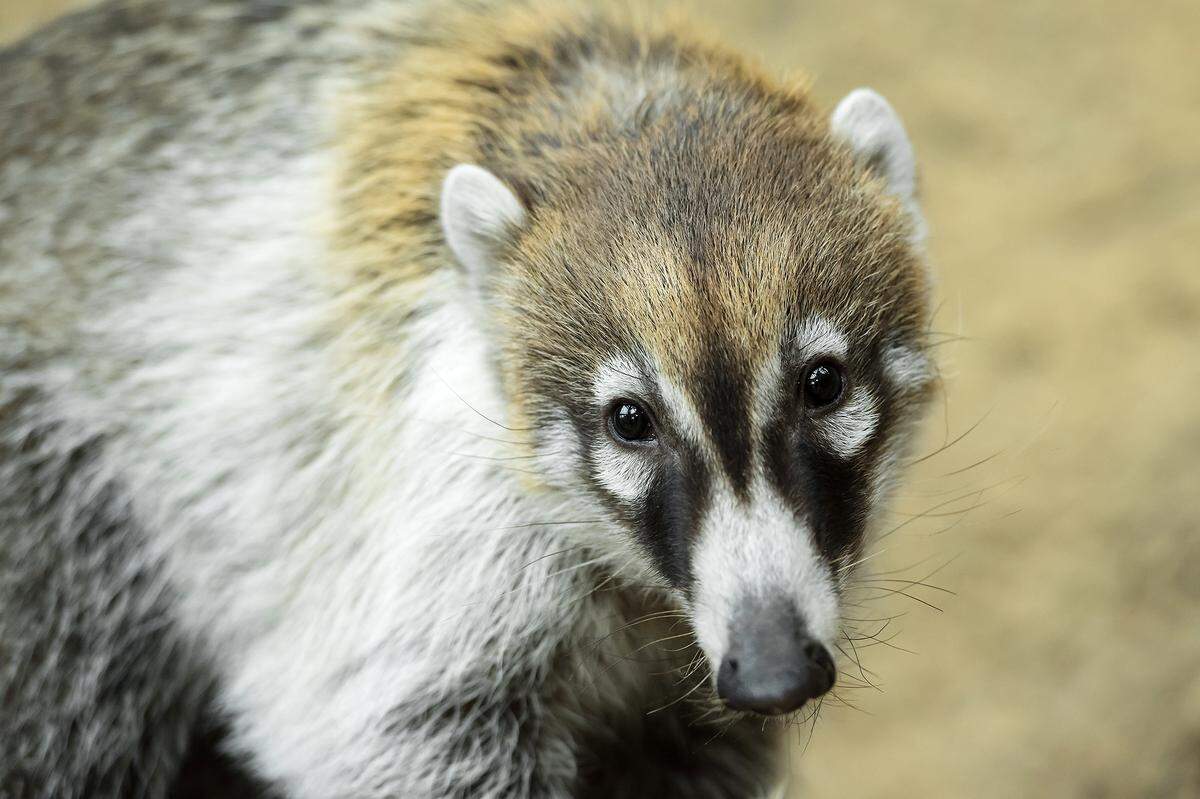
{"x":1060,"y":145}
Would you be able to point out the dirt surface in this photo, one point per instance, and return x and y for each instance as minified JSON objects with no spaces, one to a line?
{"x":1061,"y":172}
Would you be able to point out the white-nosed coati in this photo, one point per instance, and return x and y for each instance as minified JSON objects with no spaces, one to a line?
{"x":466,"y":399}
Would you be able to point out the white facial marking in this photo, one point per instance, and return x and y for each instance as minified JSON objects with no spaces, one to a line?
{"x":818,"y":336}
{"x":757,"y":551}
{"x":905,"y":367}
{"x":765,"y":391}
{"x":618,"y":378}
{"x":623,"y":471}
{"x":684,"y":413}
{"x":849,"y":427}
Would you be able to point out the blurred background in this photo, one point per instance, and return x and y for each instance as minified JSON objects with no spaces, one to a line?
{"x":1054,"y":647}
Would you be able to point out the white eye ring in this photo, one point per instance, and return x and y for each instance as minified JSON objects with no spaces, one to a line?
{"x":849,"y":426}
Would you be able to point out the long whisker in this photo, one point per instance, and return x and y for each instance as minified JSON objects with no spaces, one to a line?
{"x":525,"y":525}
{"x":977,"y":494}
{"x":815,"y":717}
{"x":679,"y":699}
{"x":977,"y":463}
{"x":841,"y":700}
{"x":549,"y":555}
{"x":951,"y":443}
{"x":476,"y":411}
{"x":911,"y":583}
{"x":662,"y":614}
{"x":722,"y":730}
{"x":884,"y":592}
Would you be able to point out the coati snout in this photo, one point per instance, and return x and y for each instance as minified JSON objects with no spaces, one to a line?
{"x":772,"y":665}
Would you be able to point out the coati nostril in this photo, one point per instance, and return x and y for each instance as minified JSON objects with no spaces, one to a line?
{"x":822,"y":666}
{"x":819,"y":656}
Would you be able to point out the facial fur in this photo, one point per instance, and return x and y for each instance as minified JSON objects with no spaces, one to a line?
{"x":696,"y":254}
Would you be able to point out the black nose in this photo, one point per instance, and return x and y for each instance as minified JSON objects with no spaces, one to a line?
{"x":773,"y":666}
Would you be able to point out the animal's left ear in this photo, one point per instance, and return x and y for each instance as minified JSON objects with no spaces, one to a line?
{"x":871,"y":128}
{"x":478,"y":211}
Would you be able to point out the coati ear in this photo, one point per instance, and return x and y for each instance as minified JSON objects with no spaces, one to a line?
{"x":477,"y":211}
{"x":872,"y":129}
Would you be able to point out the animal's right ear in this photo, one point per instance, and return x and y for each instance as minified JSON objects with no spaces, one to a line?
{"x":478,"y":210}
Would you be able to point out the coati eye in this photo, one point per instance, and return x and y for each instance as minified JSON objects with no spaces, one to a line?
{"x":630,"y":422}
{"x":822,"y":385}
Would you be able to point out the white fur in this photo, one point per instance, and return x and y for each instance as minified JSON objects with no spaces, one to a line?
{"x":477,"y":209}
{"x":300,"y":513}
{"x":619,"y":378}
{"x":684,"y":414}
{"x":623,"y":471}
{"x":757,"y":551}
{"x":559,"y":460}
{"x":906,"y":368}
{"x":818,"y":336}
{"x":869,"y":125}
{"x":850,"y":426}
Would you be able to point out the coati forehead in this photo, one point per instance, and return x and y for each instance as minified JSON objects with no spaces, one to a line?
{"x":710,"y":242}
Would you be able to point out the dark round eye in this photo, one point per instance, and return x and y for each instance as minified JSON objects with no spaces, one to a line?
{"x":631,"y":422}
{"x":822,"y":385}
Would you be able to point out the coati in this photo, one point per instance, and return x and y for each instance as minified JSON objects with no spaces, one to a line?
{"x":457,"y":399}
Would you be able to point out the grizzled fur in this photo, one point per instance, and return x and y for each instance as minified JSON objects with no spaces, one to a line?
{"x":271,"y":465}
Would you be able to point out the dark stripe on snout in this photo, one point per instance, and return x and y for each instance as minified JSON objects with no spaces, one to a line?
{"x":665,"y":518}
{"x":670,"y":516}
{"x":829,"y":493}
{"x":722,"y":398}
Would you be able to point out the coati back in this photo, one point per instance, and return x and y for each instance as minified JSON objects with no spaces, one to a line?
{"x":473,"y":400}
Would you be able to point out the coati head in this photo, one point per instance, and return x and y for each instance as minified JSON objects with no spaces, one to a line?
{"x":712,"y":324}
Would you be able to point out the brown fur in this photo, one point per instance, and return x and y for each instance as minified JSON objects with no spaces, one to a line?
{"x":673,"y":190}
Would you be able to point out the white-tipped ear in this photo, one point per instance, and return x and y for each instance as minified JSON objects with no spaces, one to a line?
{"x":477,"y":211}
{"x":872,"y":129}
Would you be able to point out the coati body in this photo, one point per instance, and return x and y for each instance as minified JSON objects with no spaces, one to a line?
{"x":468,"y":400}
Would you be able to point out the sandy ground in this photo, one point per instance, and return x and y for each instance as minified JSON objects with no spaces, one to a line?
{"x":1062,"y":183}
